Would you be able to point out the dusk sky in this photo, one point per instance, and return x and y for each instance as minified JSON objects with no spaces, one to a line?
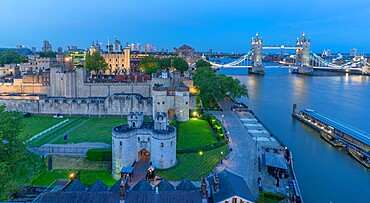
{"x":220,"y":25}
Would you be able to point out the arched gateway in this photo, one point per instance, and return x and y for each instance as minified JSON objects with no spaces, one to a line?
{"x":138,"y":139}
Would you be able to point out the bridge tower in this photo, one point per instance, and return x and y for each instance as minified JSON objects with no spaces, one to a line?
{"x":257,"y":67}
{"x":303,"y":55}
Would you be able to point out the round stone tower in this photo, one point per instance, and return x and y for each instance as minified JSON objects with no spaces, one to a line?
{"x":156,"y":139}
{"x":163,"y":144}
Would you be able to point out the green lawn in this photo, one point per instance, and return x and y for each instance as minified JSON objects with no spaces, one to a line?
{"x":57,"y":133}
{"x":268,"y":197}
{"x":87,"y":177}
{"x":37,"y":124}
{"x":192,"y":165}
{"x":79,"y":129}
{"x":195,"y":132}
{"x":94,"y":130}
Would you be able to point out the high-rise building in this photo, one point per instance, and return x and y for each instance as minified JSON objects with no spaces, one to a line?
{"x":47,"y":46}
{"x":138,"y":47}
{"x":59,"y":50}
{"x":147,"y":47}
{"x":353,"y":52}
{"x":132,"y":47}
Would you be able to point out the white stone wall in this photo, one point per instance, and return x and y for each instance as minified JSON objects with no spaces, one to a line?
{"x":163,"y":152}
{"x":124,"y":153}
{"x":161,"y":146}
{"x":160,"y":103}
{"x":182,"y":105}
{"x":113,"y":105}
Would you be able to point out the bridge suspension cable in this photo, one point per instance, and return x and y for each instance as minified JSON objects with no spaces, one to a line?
{"x":233,"y":63}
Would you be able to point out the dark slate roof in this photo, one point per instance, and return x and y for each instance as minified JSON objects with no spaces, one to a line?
{"x":164,"y":197}
{"x":116,"y":186}
{"x":142,"y":186}
{"x":275,"y":160}
{"x":164,"y":185}
{"x":79,"y":197}
{"x":186,"y":185}
{"x":75,"y":185}
{"x":98,"y":186}
{"x":230,"y":185}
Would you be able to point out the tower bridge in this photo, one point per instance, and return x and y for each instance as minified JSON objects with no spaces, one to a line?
{"x":305,"y":62}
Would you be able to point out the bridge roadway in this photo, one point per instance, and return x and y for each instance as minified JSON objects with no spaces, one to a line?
{"x":243,"y":156}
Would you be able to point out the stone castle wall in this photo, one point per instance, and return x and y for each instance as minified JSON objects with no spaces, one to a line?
{"x":114,"y":105}
{"x":73,"y":85}
{"x":126,"y":147}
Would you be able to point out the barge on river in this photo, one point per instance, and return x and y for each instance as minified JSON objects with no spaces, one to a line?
{"x":337,"y":133}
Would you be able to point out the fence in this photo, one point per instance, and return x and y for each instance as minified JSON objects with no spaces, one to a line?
{"x":66,"y":150}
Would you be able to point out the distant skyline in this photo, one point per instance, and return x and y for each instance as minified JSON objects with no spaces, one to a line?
{"x":225,"y":26}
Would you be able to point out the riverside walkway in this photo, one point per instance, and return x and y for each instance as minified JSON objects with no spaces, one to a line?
{"x":242,"y":158}
{"x":253,"y":149}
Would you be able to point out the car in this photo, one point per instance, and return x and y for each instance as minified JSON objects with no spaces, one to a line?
{"x":58,"y":116}
{"x":26,"y":114}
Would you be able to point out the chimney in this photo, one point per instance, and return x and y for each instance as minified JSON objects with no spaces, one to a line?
{"x":204,"y":189}
{"x":215,"y":182}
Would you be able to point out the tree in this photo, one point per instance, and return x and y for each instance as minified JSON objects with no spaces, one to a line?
{"x":17,"y":165}
{"x":48,"y":54}
{"x":9,"y":56}
{"x":148,"y":62}
{"x":202,"y":63}
{"x":212,"y":86}
{"x":180,"y":64}
{"x":165,"y":63}
{"x":152,"y":70}
{"x":95,"y":62}
{"x":204,"y":80}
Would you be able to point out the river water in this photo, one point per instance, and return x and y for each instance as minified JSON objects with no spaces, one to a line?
{"x":324,"y":173}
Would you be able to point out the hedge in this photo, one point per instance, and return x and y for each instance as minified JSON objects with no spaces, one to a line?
{"x":99,"y":154}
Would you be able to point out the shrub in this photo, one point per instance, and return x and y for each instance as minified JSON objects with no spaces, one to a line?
{"x":99,"y":154}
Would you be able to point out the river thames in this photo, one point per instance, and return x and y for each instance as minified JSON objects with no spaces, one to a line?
{"x":325,"y":174}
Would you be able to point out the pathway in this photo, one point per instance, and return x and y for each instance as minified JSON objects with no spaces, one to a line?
{"x":242,"y":159}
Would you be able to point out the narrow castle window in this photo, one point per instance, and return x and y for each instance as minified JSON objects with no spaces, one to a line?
{"x":162,"y":102}
{"x":186,"y":103}
{"x":171,"y":143}
{"x":162,"y":144}
{"x":138,"y":139}
{"x":120,"y":143}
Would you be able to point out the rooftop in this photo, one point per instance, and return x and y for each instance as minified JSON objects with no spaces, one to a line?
{"x":230,"y":185}
{"x":358,"y":134}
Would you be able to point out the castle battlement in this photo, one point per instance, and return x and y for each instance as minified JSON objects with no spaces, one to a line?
{"x":129,"y":140}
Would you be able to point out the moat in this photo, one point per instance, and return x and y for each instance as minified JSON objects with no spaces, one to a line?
{"x":325,"y":174}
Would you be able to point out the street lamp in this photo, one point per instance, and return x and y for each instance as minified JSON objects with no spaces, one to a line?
{"x":194,"y":114}
{"x":71,"y":176}
{"x":200,"y":153}
{"x":222,"y":153}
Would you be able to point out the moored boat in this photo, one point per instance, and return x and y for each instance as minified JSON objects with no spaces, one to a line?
{"x":331,"y":140}
{"x":360,"y":157}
